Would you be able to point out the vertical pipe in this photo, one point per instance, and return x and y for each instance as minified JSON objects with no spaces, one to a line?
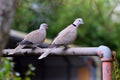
{"x":106,"y":69}
{"x":106,"y":57}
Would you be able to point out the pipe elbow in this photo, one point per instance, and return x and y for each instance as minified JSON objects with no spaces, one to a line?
{"x":104,"y":51}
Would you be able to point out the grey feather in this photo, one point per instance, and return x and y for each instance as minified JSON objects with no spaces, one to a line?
{"x":17,"y":48}
{"x":47,"y":52}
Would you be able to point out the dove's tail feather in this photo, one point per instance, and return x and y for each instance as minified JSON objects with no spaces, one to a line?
{"x":47,"y":52}
{"x":52,"y":45}
{"x":17,"y":48}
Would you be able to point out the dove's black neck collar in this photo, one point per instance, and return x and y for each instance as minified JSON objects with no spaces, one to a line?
{"x":74,"y":25}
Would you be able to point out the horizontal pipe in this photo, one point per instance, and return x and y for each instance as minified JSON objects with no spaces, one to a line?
{"x":81,"y":51}
{"x":56,"y":51}
{"x":91,"y":51}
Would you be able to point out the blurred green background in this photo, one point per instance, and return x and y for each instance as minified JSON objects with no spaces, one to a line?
{"x":101,"y":18}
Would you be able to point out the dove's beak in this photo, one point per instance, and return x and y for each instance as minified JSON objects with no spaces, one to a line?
{"x":82,"y":22}
{"x":46,"y":27}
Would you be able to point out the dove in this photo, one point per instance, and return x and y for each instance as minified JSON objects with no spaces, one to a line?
{"x":33,"y":38}
{"x":65,"y":37}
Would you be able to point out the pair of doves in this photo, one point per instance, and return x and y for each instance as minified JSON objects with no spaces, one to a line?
{"x":64,"y":38}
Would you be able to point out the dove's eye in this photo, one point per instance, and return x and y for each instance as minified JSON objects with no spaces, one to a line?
{"x":79,"y":20}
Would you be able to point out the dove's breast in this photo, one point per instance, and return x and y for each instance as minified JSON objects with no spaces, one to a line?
{"x":67,"y":36}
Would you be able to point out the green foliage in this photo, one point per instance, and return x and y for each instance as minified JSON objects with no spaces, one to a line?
{"x":23,"y":18}
{"x":6,"y":70}
{"x":7,"y":73}
{"x":99,"y":27}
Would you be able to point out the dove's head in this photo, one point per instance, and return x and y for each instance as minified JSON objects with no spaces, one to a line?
{"x":78,"y":21}
{"x":43,"y":26}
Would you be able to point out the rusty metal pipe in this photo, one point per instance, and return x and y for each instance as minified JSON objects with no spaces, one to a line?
{"x":106,"y":58}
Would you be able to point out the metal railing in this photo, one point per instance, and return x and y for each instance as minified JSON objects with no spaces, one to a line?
{"x":102,"y":51}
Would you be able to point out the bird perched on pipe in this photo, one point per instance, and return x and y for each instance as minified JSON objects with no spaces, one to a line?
{"x":65,"y":37}
{"x":33,"y":39}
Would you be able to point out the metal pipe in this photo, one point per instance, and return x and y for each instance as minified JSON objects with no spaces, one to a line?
{"x":81,"y":51}
{"x":106,"y":58}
